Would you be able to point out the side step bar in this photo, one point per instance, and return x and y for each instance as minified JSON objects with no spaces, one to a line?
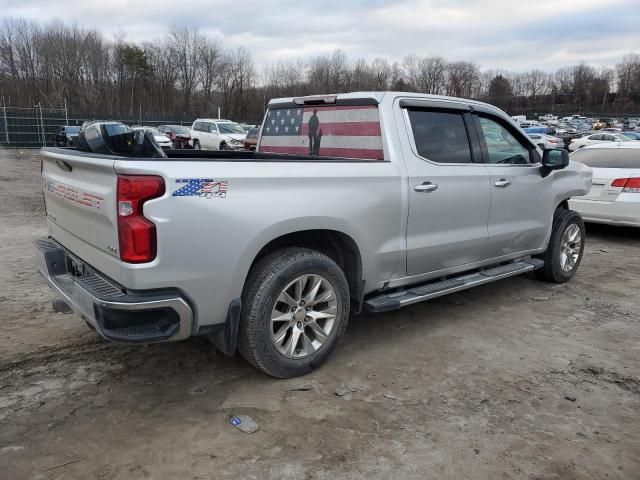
{"x":401,"y":298}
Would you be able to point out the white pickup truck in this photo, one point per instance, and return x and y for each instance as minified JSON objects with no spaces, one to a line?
{"x":353,"y":201}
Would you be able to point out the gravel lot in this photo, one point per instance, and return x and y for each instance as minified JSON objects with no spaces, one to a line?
{"x":517,"y":379}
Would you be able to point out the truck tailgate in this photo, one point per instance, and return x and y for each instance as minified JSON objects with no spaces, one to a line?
{"x":80,"y":198}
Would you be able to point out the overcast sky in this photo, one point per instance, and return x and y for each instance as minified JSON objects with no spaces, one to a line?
{"x":509,"y":34}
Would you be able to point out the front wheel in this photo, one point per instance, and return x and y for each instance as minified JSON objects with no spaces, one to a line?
{"x":196,"y":145}
{"x":224,"y":146}
{"x":566,"y":246}
{"x":295,"y":308}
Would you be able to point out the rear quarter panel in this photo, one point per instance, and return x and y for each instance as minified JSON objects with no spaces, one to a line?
{"x":206,"y":245}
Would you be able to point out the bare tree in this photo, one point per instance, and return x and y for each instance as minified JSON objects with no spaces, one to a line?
{"x":186,"y":73}
{"x":186,"y":47}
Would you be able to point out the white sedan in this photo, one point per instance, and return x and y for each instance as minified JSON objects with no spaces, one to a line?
{"x":614,"y":197}
{"x":546,"y":141}
{"x":161,"y":139}
{"x":594,"y":138}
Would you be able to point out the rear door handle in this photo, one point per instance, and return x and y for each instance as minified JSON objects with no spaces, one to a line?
{"x":502,"y":183}
{"x":426,"y":187}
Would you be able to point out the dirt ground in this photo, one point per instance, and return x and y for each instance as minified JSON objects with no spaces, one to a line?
{"x":517,"y":379}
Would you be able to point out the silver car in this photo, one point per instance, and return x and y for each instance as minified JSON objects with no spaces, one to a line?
{"x":363,"y":201}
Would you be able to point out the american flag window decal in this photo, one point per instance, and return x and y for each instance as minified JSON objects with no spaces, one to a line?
{"x":328,"y":131}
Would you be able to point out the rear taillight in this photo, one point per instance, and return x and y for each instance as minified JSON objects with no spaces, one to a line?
{"x":137,"y":234}
{"x":628,"y":185}
{"x":632,"y":186}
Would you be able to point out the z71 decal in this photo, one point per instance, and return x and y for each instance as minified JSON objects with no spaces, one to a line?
{"x":201,"y":187}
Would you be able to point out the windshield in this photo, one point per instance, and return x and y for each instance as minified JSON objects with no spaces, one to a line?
{"x":178,"y":130}
{"x":624,"y":137}
{"x":608,"y":158}
{"x":230,"y":127}
{"x":72,"y":130}
{"x":154,"y":131}
{"x":116,"y":129}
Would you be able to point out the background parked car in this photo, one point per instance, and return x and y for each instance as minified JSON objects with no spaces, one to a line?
{"x":66,"y":136}
{"x":546,"y":141}
{"x":597,"y":138}
{"x":632,"y":135}
{"x":614,"y":197}
{"x":179,"y":135}
{"x":567,"y":135}
{"x":217,"y":134}
{"x":251,"y":140}
{"x":162,"y":140}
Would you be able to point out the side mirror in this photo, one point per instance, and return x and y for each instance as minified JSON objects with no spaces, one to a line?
{"x":554,"y":159}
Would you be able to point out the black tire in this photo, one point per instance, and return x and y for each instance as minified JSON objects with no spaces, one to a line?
{"x":224,"y":146}
{"x":266,"y":281}
{"x":552,"y":270}
{"x":196,"y":145}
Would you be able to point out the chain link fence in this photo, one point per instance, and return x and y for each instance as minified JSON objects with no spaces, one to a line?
{"x":35,"y":127}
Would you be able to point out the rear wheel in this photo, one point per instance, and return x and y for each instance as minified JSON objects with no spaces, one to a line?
{"x":566,"y":246}
{"x":295,"y":309}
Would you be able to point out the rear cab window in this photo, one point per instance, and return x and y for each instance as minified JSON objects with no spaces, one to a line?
{"x":344,"y":131}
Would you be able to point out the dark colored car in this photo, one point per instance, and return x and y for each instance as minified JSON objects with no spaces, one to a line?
{"x":568,"y":135}
{"x":66,"y":136}
{"x":179,"y":135}
{"x":251,"y":140}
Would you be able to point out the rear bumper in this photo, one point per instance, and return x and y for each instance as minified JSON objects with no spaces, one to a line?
{"x":116,"y":314}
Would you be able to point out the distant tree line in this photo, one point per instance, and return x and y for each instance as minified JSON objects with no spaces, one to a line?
{"x":187,"y":74}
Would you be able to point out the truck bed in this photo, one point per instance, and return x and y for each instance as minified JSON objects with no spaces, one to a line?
{"x":216,"y":156}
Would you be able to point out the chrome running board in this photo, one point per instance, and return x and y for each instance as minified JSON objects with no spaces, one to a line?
{"x":397,"y":299}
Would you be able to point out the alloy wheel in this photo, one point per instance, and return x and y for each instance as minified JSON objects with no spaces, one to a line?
{"x":570,"y":247}
{"x":303,"y":316}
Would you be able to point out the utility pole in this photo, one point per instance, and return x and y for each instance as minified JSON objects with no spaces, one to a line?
{"x":66,"y":114}
{"x":6,"y":128}
{"x":218,"y":112}
{"x":44,"y":141}
{"x":133,"y":82}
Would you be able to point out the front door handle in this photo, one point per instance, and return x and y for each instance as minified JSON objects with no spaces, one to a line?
{"x":502,"y":183}
{"x":426,"y":187}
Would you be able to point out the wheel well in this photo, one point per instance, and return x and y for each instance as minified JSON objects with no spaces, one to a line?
{"x":564,"y":205}
{"x":340,"y":247}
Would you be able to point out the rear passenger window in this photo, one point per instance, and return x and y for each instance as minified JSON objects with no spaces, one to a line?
{"x":440,"y":136}
{"x":502,"y":145}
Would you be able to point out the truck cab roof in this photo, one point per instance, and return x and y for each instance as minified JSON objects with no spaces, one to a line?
{"x":366,"y":98}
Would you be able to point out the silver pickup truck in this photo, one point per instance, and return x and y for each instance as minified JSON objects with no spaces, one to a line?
{"x":360,"y":201}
